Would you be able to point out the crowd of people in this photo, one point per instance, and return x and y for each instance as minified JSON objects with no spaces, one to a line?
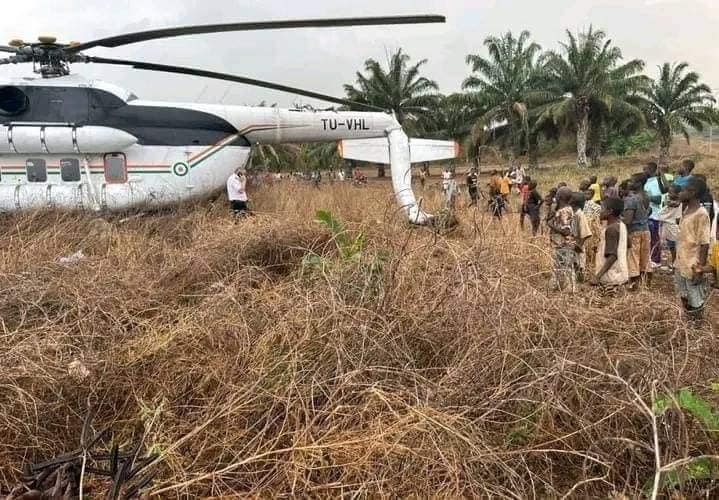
{"x":618,"y":234}
{"x":611,"y":234}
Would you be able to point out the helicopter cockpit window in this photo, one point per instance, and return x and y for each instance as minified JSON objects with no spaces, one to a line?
{"x":13,"y":101}
{"x":70,"y":170}
{"x":115,"y":168}
{"x":36,"y":170}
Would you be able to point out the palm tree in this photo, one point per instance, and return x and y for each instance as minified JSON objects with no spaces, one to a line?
{"x":399,"y":89}
{"x":586,"y":76}
{"x":676,"y":101}
{"x":509,"y":82}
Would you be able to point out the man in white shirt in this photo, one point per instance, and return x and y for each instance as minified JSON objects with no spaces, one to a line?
{"x":237,"y":191}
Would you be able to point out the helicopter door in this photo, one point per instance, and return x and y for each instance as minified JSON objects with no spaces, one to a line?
{"x":116,"y":191}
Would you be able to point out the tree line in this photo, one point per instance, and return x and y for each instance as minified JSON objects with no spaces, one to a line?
{"x":518,"y":95}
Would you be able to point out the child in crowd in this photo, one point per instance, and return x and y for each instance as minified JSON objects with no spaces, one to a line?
{"x":496,"y":201}
{"x":713,"y":263}
{"x":635,"y":217}
{"x":533,"y":204}
{"x":693,"y":249}
{"x":582,"y":234}
{"x":596,"y":190}
{"x":611,"y":268}
{"x":669,"y":215}
{"x":504,"y":188}
{"x":592,"y":211}
{"x":548,"y":203}
{"x":561,"y":234}
{"x":609,"y":187}
{"x":524,"y":194}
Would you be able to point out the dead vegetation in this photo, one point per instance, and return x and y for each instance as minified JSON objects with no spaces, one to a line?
{"x":430,"y":364}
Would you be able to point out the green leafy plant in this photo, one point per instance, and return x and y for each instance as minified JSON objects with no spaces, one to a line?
{"x":622,"y":145}
{"x":697,"y":406}
{"x":699,"y":468}
{"x":349,"y":248}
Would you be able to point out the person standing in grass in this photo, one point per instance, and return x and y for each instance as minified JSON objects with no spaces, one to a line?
{"x":669,"y":215}
{"x":592,"y":211}
{"x":523,"y":195}
{"x":693,"y":249}
{"x":548,"y":203}
{"x":237,"y":192}
{"x":636,"y":216}
{"x":582,"y":235}
{"x":561,"y":234}
{"x":596,"y":190}
{"x":611,"y":268}
{"x":472,"y":179}
{"x":609,"y":188}
{"x":496,"y":201}
{"x":533,"y":206}
{"x":654,"y":188}
{"x":684,"y":173}
{"x":504,"y":188}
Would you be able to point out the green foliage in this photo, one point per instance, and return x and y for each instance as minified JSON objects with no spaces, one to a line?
{"x":700,"y":468}
{"x":677,"y":101}
{"x":399,"y":88}
{"x":695,"y":405}
{"x":591,"y":87}
{"x":622,"y":145}
{"x":349,"y":248}
{"x":360,"y":274}
{"x":508,"y":84}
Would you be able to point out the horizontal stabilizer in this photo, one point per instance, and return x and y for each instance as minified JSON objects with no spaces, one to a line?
{"x":377,"y":150}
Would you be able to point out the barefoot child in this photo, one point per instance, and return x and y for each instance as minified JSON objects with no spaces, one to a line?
{"x":693,"y":249}
{"x":611,"y":269}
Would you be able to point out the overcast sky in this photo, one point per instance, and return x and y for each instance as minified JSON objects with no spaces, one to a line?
{"x":322,"y":60}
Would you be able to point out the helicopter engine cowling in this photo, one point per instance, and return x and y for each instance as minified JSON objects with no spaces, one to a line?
{"x":62,"y":139}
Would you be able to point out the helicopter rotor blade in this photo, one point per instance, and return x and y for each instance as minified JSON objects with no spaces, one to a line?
{"x":143,"y":36}
{"x":231,"y":78}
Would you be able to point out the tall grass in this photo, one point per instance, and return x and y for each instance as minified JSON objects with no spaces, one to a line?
{"x":455,"y":373}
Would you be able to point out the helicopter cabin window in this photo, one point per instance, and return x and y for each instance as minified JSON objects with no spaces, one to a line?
{"x":70,"y":170}
{"x":36,"y":170}
{"x":115,"y":168}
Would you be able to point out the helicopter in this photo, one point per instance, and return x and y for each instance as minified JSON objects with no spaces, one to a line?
{"x":71,"y":142}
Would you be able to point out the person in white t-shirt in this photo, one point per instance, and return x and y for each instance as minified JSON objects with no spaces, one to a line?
{"x":237,"y":191}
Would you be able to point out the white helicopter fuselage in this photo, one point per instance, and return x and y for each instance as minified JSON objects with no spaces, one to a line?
{"x":123,"y":151}
{"x":73,"y":143}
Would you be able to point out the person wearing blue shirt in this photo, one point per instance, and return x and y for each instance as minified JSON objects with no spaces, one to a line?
{"x":635,"y":216}
{"x":654,"y":188}
{"x":684,"y":173}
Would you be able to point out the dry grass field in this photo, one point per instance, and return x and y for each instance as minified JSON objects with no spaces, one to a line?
{"x":425,"y":365}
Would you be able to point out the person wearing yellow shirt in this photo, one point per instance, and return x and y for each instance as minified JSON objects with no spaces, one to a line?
{"x":712,"y":266}
{"x":596,"y":189}
{"x":504,"y":187}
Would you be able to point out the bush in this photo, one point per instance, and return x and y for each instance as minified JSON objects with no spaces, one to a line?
{"x":622,"y":145}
